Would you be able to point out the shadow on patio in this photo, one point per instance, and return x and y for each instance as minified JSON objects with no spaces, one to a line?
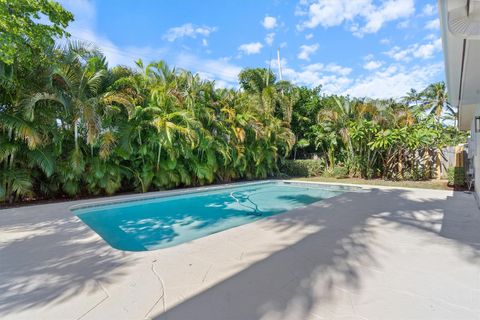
{"x":356,"y":233}
{"x":50,"y":258}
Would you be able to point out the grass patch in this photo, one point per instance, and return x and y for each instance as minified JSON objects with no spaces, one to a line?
{"x":427,"y":184}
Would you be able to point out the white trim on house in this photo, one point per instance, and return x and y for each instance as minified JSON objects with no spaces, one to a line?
{"x":462,"y":51}
{"x":460,"y":27}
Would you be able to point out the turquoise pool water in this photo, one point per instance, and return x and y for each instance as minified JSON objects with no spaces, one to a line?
{"x":167,"y":221}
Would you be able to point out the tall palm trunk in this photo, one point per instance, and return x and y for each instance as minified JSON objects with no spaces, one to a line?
{"x":400,"y":164}
{"x":159,"y":154}
{"x":438,"y":163}
{"x":75,"y":133}
{"x":331,"y":157}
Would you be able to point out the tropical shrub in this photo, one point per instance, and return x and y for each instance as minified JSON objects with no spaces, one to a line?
{"x":302,"y":168}
{"x":340,"y":172}
{"x":86,"y":129}
{"x":456,"y":176}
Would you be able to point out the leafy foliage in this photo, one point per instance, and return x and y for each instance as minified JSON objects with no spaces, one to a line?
{"x":74,"y":126}
{"x":22,"y":34}
{"x":378,"y":138}
{"x":339,"y":172}
{"x":456,"y":176}
{"x":303,"y":168}
{"x":83,"y":128}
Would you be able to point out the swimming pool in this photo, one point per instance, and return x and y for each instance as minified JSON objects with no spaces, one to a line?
{"x":154,"y":223}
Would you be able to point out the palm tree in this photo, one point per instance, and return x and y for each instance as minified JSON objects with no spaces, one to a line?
{"x":412,"y":98}
{"x":80,"y":91}
{"x":435,"y":99}
{"x":335,"y":119}
{"x":23,"y":147}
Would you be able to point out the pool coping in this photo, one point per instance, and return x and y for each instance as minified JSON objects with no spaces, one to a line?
{"x":195,"y":190}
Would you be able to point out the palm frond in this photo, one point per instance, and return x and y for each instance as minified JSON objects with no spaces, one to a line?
{"x":29,"y":103}
{"x":24,"y":130}
{"x":107,"y":143}
{"x":43,"y":159}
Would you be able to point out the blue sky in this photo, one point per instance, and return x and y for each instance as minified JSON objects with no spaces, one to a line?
{"x":358,"y":47}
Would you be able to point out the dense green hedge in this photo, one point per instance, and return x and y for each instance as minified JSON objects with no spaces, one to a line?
{"x":339,"y":172}
{"x":456,"y":176}
{"x":302,"y":168}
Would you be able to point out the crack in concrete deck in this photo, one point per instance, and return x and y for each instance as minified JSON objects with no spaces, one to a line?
{"x":162,"y":296}
{"x":107,"y":296}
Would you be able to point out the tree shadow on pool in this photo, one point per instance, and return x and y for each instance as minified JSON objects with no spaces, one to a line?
{"x":326,"y":265}
{"x":303,"y":199}
{"x":51,"y":257}
{"x":144,"y":226}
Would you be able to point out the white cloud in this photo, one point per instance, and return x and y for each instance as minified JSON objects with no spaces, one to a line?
{"x":433,"y":24}
{"x":390,"y":10}
{"x":372,"y":65}
{"x":218,"y":83}
{"x":398,"y":53}
{"x":221,"y":70}
{"x":204,"y":42}
{"x":306,"y":51}
{"x":269,"y":38}
{"x":315,"y":67}
{"x":269,"y":22}
{"x":309,"y":36}
{"x":385,"y":41}
{"x":83,"y":29}
{"x":332,"y":77}
{"x":363,"y":16}
{"x":84,"y":10}
{"x":329,"y":68}
{"x":429,"y":10}
{"x":416,"y":50}
{"x":251,"y":48}
{"x":426,"y":51}
{"x":188,"y":30}
{"x":395,"y":80}
{"x":382,"y":82}
{"x":387,"y":81}
{"x":337,"y":69}
{"x":325,"y":13}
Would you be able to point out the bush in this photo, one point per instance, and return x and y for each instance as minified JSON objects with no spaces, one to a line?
{"x":456,"y":176}
{"x":281,"y":175}
{"x":338,"y":172}
{"x":417,"y":174}
{"x":302,"y":168}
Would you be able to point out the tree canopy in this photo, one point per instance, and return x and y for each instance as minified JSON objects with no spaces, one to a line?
{"x":27,"y":27}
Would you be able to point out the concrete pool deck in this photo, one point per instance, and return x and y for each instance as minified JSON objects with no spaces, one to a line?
{"x":387,"y":253}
